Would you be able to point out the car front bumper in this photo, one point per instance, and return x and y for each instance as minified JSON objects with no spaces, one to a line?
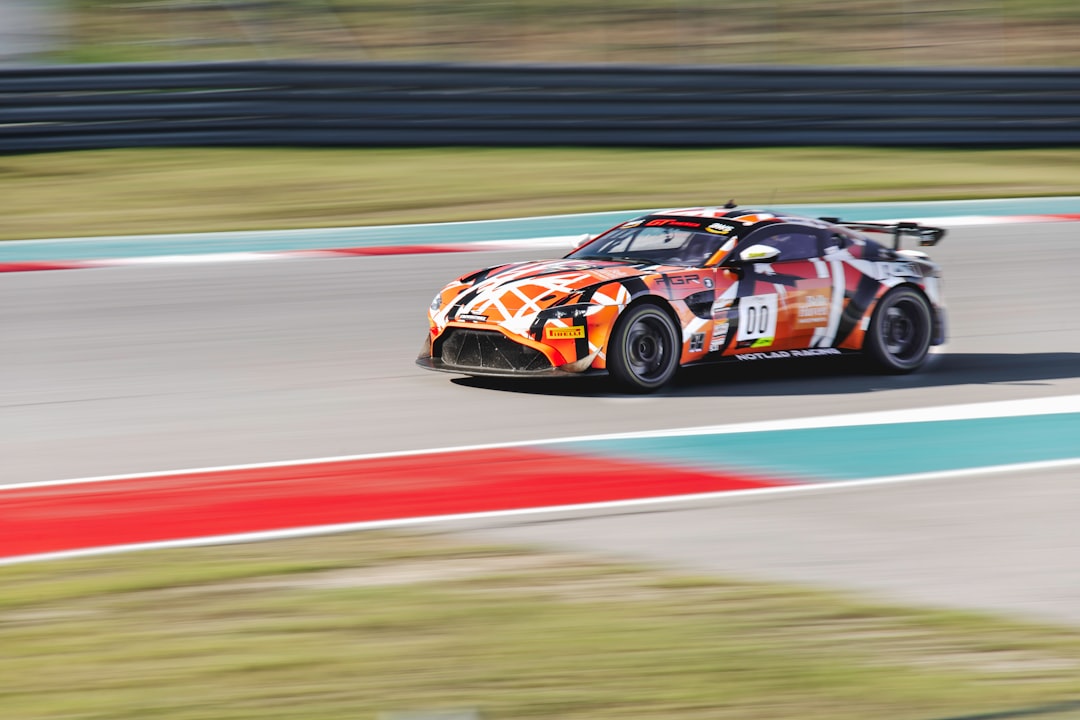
{"x":429,"y":363}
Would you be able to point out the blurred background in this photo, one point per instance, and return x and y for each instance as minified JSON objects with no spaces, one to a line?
{"x":189,"y":364}
{"x":841,"y":32}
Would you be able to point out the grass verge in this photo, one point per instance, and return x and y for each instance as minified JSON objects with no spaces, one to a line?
{"x":352,"y":625}
{"x":112,"y":192}
{"x":823,"y":32}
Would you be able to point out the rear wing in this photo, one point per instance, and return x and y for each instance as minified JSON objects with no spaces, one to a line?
{"x":927,"y":235}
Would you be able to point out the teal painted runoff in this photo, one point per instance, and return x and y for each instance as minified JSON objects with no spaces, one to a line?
{"x":857,"y":452}
{"x":100,"y":248}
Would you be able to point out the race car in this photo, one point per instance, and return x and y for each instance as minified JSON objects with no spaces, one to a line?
{"x":698,"y":285}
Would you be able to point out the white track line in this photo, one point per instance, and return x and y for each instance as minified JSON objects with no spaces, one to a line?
{"x":970,"y":411}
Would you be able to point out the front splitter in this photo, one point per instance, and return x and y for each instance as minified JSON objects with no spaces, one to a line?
{"x":430,"y":363}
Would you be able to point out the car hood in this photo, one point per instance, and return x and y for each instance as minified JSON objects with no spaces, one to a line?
{"x":513,"y":294}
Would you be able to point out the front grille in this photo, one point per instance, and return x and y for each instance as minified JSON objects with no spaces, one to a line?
{"x":489,"y":350}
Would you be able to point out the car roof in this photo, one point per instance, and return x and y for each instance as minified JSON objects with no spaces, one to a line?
{"x":745,"y":216}
{"x":742,"y":220}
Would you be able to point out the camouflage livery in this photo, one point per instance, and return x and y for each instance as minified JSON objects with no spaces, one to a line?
{"x":730,"y":284}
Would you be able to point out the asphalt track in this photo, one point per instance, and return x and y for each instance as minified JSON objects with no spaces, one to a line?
{"x":139,"y":369}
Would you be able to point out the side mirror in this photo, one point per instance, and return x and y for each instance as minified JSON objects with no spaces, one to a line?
{"x":758,"y":254}
{"x":578,"y":242}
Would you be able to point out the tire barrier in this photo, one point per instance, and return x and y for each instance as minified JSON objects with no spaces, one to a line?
{"x":394,"y":104}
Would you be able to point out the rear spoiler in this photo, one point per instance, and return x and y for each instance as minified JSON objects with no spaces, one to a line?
{"x":927,"y":235}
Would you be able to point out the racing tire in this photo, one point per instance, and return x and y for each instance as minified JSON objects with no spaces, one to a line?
{"x":899,"y":335}
{"x":644,"y":349}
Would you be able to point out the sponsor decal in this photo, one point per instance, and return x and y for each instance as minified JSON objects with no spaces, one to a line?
{"x":720,"y":229}
{"x":897,"y":269}
{"x":762,"y":342}
{"x":472,"y":317}
{"x":609,"y":273}
{"x":684,"y":280}
{"x":670,"y":222}
{"x":814,"y":352}
{"x":707,"y":282}
{"x":719,"y":335}
{"x":779,"y":354}
{"x":564,"y":333}
{"x":721,"y":305}
{"x":697,"y":342}
{"x":906,"y":270}
{"x":814,"y":310}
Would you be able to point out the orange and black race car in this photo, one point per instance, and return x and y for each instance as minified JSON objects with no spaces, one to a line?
{"x":684,"y":287}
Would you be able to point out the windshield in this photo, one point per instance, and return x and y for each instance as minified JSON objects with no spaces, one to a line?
{"x":660,"y":241}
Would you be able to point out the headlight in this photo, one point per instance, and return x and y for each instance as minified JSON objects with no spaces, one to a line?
{"x":436,"y":303}
{"x":569,"y":311}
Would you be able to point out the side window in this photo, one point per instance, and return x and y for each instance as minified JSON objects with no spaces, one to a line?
{"x":793,"y":242}
{"x":838,"y":239}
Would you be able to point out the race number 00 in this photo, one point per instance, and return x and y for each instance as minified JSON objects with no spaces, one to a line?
{"x":757,"y":317}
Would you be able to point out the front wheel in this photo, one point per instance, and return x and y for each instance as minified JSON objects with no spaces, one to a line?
{"x":643,"y":351}
{"x":898,"y":338}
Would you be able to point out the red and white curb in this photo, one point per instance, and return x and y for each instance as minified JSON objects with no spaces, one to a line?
{"x":226,"y":257}
{"x":559,"y":242}
{"x":76,"y":517}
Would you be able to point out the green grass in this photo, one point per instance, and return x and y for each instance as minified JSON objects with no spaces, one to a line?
{"x":345,"y":627}
{"x":874,"y":32}
{"x":111,"y":192}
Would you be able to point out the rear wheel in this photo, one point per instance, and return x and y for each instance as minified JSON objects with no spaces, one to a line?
{"x":898,"y":339}
{"x":643,"y":351}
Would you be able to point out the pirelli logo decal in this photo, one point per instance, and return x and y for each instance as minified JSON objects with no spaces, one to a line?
{"x":564,"y":333}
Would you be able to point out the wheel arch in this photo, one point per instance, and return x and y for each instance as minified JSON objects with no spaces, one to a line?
{"x":658,"y":302}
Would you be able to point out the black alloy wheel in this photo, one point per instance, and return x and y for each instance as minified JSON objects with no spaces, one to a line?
{"x":898,"y":339}
{"x":643,"y":352}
